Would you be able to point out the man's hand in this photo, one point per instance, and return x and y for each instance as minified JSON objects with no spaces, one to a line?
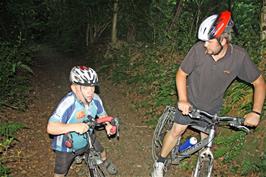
{"x":184,"y":107}
{"x":252,"y":119}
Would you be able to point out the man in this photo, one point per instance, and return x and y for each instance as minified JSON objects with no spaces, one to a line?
{"x":77,"y":106}
{"x":204,"y":75}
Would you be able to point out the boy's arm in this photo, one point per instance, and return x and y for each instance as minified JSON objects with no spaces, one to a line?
{"x":57,"y":128}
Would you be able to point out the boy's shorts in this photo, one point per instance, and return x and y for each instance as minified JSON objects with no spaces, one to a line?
{"x":63,"y":160}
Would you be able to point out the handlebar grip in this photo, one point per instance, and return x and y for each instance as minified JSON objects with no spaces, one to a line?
{"x":113,"y":129}
{"x":104,"y":119}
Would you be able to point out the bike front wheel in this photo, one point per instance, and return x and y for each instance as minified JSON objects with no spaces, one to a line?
{"x":204,"y":167}
{"x":97,"y":171}
{"x":164,"y":124}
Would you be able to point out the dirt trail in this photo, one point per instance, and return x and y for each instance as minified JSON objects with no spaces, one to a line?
{"x":132,"y":153}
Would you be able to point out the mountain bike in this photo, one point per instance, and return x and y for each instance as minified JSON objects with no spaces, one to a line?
{"x":92,"y":158}
{"x":204,"y":165}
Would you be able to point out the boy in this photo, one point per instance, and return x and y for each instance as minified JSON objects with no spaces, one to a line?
{"x":76,"y":107}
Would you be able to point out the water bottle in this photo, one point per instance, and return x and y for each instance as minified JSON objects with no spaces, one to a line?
{"x":187,"y":144}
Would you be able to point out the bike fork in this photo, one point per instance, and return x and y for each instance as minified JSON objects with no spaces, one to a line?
{"x":205,"y":158}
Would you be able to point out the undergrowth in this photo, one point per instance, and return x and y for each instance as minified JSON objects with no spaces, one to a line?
{"x":7,"y":137}
{"x":15,"y":75}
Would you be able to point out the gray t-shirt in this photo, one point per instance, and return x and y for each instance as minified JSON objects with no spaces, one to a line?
{"x":208,"y":79}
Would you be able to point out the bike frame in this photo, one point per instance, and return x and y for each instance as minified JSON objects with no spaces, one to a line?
{"x":204,"y":146}
{"x":92,"y":157}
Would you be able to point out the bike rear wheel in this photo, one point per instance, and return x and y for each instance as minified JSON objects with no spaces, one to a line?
{"x":164,"y":124}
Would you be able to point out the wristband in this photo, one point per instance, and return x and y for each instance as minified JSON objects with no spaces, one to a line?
{"x":256,"y":112}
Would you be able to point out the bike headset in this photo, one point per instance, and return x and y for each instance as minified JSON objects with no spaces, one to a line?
{"x":83,"y":76}
{"x":214,"y":26}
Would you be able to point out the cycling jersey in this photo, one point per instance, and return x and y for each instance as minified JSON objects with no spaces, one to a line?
{"x":71,"y":110}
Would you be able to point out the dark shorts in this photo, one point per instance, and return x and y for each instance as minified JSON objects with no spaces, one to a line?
{"x":187,"y":120}
{"x":63,"y":160}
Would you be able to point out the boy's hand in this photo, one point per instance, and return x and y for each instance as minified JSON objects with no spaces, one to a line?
{"x":108,"y":128}
{"x":80,"y":128}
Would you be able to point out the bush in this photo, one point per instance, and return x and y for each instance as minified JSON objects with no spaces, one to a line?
{"x":7,"y":132}
{"x":14,"y":74}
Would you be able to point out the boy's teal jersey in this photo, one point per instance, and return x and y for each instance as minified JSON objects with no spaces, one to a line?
{"x":70,"y":110}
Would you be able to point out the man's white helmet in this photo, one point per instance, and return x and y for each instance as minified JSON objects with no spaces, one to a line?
{"x":83,"y":75}
{"x":205,"y":27}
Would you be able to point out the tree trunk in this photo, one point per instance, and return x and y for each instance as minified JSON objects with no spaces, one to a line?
{"x":177,"y":14}
{"x":114,"y":25}
{"x":263,"y":21}
{"x":263,"y":35}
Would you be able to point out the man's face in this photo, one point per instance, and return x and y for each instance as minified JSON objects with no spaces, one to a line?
{"x":212,"y":47}
{"x":87,"y":92}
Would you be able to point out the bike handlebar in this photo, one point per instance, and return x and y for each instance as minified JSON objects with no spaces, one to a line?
{"x":100,"y":121}
{"x":92,"y":123}
{"x":236,"y":122}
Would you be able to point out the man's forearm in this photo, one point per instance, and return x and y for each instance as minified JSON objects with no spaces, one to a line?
{"x":181,"y":85}
{"x":259,"y":94}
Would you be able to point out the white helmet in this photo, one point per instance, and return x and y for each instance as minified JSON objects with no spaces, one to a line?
{"x":205,"y":27}
{"x":83,"y":75}
{"x":215,"y":25}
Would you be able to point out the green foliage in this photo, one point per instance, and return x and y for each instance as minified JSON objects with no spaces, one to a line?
{"x":253,"y":165}
{"x":26,"y":18}
{"x":229,"y":146}
{"x":7,"y":136}
{"x":247,"y":19}
{"x":4,"y":171}
{"x":72,"y":23}
{"x":14,"y":78}
{"x":9,"y":129}
{"x":149,"y":70}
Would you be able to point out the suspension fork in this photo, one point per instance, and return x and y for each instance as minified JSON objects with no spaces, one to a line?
{"x":206,"y":153}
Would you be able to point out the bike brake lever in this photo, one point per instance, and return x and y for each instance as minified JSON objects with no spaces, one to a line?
{"x":244,"y":128}
{"x":116,"y":123}
{"x":194,"y":114}
{"x":240,"y":127}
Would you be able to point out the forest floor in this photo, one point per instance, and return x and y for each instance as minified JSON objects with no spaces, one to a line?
{"x":32,"y":156}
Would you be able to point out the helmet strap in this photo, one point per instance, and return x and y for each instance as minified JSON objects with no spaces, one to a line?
{"x":79,"y":95}
{"x":83,"y":97}
{"x":219,"y":41}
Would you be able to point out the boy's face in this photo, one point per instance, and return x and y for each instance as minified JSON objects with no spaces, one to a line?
{"x":87,"y":92}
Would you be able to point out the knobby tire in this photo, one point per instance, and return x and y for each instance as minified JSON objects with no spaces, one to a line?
{"x":164,"y":124}
{"x":204,"y":167}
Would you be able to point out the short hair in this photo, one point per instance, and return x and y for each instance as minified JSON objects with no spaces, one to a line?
{"x":227,"y":36}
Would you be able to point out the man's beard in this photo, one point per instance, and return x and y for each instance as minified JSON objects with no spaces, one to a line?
{"x":209,"y":52}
